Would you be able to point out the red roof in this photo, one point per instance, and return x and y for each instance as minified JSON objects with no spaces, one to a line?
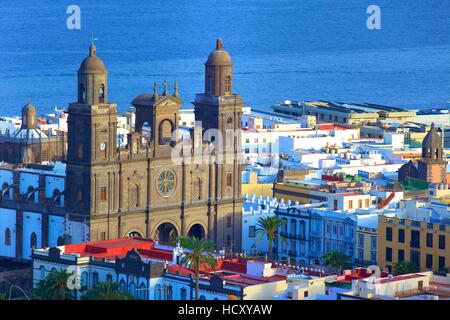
{"x":358,"y":273}
{"x":232,"y":270}
{"x":118,"y":248}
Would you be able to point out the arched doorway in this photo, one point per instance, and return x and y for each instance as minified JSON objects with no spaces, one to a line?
{"x":166,"y":234}
{"x":134,"y":234}
{"x":196,"y":231}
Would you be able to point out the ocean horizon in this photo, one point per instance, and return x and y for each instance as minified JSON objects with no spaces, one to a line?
{"x":282,"y":49}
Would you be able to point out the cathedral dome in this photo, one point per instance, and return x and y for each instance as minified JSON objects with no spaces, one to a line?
{"x":29,"y":116}
{"x":92,"y":64}
{"x":219,"y":57}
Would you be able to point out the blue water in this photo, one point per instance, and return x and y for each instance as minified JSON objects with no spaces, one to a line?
{"x":282,"y":49}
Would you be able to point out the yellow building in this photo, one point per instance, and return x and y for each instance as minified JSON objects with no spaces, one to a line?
{"x":298,"y":190}
{"x":366,"y":239}
{"x":423,"y":243}
{"x":258,"y":189}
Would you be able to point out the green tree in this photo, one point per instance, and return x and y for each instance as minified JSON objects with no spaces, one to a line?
{"x":54,"y":287}
{"x":443,"y":269}
{"x":106,"y":291}
{"x":199,"y":253}
{"x":404,"y":267}
{"x":337,"y":260}
{"x":268,"y":226}
{"x":2,"y":296}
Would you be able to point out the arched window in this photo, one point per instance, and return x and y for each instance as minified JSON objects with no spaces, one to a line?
{"x":293,"y":229}
{"x":202,"y":297}
{"x":82,"y":93}
{"x":79,"y":194}
{"x":101,"y":94}
{"x":60,"y":241}
{"x":285,"y":226}
{"x":169,"y":292}
{"x":94,"y":278}
{"x":133,"y":291}
{"x":84,"y":280}
{"x":183,"y":294}
{"x":209,"y":85}
{"x":157,"y":292}
{"x":30,"y":193}
{"x":165,"y":132}
{"x":7,"y":237}
{"x":142,"y":291}
{"x":302,"y":228}
{"x":146,"y":133}
{"x":5,"y":190}
{"x":133,"y":196}
{"x":79,"y":150}
{"x":122,"y":285}
{"x":228,"y":85}
{"x":33,"y":240}
{"x":196,"y":189}
{"x":57,"y":197}
{"x":42,"y":272}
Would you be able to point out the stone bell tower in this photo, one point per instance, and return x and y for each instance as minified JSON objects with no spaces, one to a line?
{"x":92,"y":142}
{"x":220,"y":112}
{"x":432,"y":166}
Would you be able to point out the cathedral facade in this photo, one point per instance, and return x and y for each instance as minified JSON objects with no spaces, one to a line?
{"x":139,"y":190}
{"x":148,"y":188}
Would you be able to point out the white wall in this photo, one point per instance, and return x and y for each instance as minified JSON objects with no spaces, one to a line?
{"x":7,"y":220}
{"x":32,"y":222}
{"x":56,"y":229}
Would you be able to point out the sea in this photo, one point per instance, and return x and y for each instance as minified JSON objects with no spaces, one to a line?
{"x":282,"y":49}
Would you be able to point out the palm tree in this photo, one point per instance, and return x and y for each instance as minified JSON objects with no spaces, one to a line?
{"x":106,"y":291}
{"x":336,"y":260}
{"x":200,"y":254}
{"x":404,"y":267}
{"x":54,"y":287}
{"x":268,"y":226}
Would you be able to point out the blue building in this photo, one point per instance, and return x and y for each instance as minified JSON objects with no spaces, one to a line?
{"x":312,"y":231}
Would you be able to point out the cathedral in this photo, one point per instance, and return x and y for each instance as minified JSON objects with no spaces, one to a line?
{"x":432,"y":166}
{"x":29,"y":144}
{"x":108,"y":190}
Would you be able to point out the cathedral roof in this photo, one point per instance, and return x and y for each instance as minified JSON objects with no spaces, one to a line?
{"x":432,"y":140}
{"x":219,"y":57}
{"x":144,"y":100}
{"x":92,"y":64}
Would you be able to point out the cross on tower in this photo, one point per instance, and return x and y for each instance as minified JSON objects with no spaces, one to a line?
{"x":93,"y":39}
{"x":166,"y":87}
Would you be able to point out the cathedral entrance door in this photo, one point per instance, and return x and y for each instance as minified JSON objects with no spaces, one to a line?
{"x":166,"y":234}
